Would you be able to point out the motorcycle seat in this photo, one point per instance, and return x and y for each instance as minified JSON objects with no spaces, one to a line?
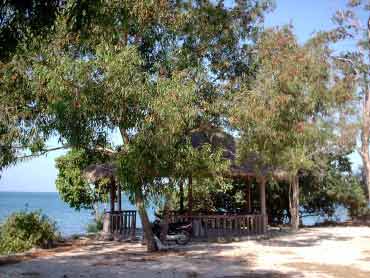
{"x":180,"y":226}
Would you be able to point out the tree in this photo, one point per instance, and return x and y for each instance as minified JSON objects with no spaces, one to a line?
{"x":108,"y":67}
{"x":20,"y":20}
{"x":161,"y":154}
{"x":354,"y":27}
{"x":333,"y":185}
{"x":71,"y":184}
{"x":287,"y":116}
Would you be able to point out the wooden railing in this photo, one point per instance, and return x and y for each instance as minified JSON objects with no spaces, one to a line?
{"x":123,"y":222}
{"x":227,"y":225}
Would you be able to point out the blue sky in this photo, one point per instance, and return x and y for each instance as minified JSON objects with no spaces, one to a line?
{"x":307,"y":16}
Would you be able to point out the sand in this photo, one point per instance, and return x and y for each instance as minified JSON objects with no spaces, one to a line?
{"x":341,"y":252}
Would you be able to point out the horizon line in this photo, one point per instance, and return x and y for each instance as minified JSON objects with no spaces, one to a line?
{"x":20,"y":191}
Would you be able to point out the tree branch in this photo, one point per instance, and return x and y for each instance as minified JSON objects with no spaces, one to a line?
{"x":350,"y":62}
{"x":124,"y":134}
{"x":43,"y":152}
{"x":106,"y":150}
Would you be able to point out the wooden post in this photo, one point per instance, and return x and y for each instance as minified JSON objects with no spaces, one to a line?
{"x":249,"y":198}
{"x":262,"y":185}
{"x":119,"y":197}
{"x":248,"y":193}
{"x":133,"y":232}
{"x":111,"y":197}
{"x":190,"y":196}
{"x":111,"y":213}
{"x":120,"y":216}
{"x":181,"y":189}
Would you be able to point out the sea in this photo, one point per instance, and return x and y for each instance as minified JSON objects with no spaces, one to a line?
{"x":71,"y":222}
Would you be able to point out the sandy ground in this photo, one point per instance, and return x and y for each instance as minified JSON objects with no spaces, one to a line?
{"x":341,"y":252}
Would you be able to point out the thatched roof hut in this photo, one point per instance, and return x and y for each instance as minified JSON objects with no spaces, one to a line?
{"x":107,"y":172}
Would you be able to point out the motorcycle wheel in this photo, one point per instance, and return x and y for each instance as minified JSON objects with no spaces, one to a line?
{"x":184,"y":239}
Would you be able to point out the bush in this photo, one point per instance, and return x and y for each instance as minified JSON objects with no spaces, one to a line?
{"x":95,"y":226}
{"x":24,"y":230}
{"x":362,"y":213}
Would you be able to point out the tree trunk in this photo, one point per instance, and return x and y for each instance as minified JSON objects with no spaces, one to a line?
{"x":262,"y":185}
{"x":366,"y":167}
{"x":147,"y":226}
{"x":365,"y":134}
{"x":294,"y":202}
{"x":365,"y":130}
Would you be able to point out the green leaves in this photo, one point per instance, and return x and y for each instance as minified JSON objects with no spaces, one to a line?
{"x":161,"y":149}
{"x":150,"y":71}
{"x":21,"y":21}
{"x":88,"y":96}
{"x":23,"y":230}
{"x":285,"y":116}
{"x":71,"y":183}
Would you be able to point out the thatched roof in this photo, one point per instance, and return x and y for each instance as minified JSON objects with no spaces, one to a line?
{"x":96,"y":172}
{"x":215,"y":137}
{"x":250,"y":168}
{"x":218,"y":138}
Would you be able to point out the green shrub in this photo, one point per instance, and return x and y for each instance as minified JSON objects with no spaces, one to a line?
{"x":362,"y":213}
{"x":92,"y":228}
{"x":96,"y":226}
{"x":24,"y":230}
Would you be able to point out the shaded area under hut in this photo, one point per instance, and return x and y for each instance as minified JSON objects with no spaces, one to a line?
{"x":248,"y":223}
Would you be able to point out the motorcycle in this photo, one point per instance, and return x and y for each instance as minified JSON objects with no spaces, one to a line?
{"x":177,"y":232}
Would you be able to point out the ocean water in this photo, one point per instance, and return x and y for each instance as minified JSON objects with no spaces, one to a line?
{"x":69,"y":221}
{"x":340,"y":215}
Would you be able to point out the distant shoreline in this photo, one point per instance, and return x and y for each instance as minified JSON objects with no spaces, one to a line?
{"x":12,"y":191}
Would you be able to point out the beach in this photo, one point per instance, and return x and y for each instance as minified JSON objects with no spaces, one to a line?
{"x":321,"y":252}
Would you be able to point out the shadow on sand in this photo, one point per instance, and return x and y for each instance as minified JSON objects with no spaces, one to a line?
{"x":131,"y":260}
{"x":303,"y":238}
